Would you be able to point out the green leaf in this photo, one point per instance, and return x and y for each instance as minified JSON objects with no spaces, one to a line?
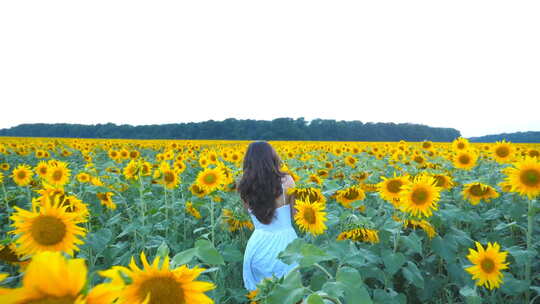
{"x":208,"y":253}
{"x":163,"y":250}
{"x":445,"y":249}
{"x":393,"y":261}
{"x":355,"y":291}
{"x":315,"y":299}
{"x":334,"y":289}
{"x":184,"y":257}
{"x":288,"y":292}
{"x":412,"y":242}
{"x":470,"y":295}
{"x":305,"y":254}
{"x":231,"y":253}
{"x":413,"y":275}
{"x":512,"y":286}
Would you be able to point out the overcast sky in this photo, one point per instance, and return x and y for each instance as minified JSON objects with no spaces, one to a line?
{"x":469,"y":65}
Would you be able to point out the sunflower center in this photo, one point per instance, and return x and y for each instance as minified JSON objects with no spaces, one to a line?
{"x":52,"y":300}
{"x":530,"y":177}
{"x":419,"y":196}
{"x":43,"y":170}
{"x":419,"y":159}
{"x":460,"y":145}
{"x":48,"y":230}
{"x":168,"y":177}
{"x":534,"y":153}
{"x":464,"y":159}
{"x":394,"y":186}
{"x":502,"y":151}
{"x":210,"y":179}
{"x":478,"y":190}
{"x":163,"y":290}
{"x":57,"y":175}
{"x":351,"y":195}
{"x":21,"y":175}
{"x":309,"y":216}
{"x":487,"y":265}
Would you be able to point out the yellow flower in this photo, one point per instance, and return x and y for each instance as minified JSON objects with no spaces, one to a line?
{"x":310,"y":216}
{"x":360,"y":235}
{"x":131,"y":171}
{"x":524,"y":178}
{"x":22,"y":175}
{"x":390,"y":188}
{"x":420,"y":197}
{"x":58,"y":174}
{"x":50,"y":278}
{"x":503,"y":151}
{"x":487,"y":265}
{"x":83,"y":177}
{"x":465,"y":159}
{"x":350,"y":161}
{"x":460,"y":144}
{"x":346,"y":196}
{"x":48,"y":227}
{"x":41,"y":169}
{"x":475,"y":192}
{"x":311,"y":194}
{"x":105,"y":198}
{"x":154,"y":285}
{"x":192,"y":210}
{"x":443,"y":181}
{"x":211,"y":179}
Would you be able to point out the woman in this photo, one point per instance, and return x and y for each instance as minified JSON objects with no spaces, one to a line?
{"x":263,"y":189}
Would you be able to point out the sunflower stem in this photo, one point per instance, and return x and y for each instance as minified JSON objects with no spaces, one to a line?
{"x":212,"y":220}
{"x":5,"y":197}
{"x":166,"y":203}
{"x":530,"y":220}
{"x":141,"y":204}
{"x":324,"y":270}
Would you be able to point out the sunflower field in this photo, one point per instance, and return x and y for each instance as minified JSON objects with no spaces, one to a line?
{"x":156,"y":221}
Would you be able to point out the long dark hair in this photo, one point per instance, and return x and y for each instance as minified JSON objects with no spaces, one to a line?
{"x":261,"y":182}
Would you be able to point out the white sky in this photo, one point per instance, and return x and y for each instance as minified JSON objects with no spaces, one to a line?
{"x":471,"y":65}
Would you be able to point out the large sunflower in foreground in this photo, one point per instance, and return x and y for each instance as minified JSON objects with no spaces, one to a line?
{"x":488,"y":264}
{"x":210,"y":179}
{"x":22,"y":175}
{"x":153,"y":284}
{"x":420,"y":197}
{"x":48,"y":227}
{"x":310,"y":216}
{"x":475,"y":192}
{"x":525,"y":177}
{"x":50,"y":278}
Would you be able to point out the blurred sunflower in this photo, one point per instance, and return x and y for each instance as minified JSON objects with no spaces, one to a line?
{"x":83,"y":177}
{"x":311,"y":194}
{"x":4,"y":166}
{"x":157,"y":284}
{"x":58,"y":174}
{"x":50,"y":278}
{"x":475,"y":192}
{"x":348,"y":195}
{"x":310,"y":216}
{"x":460,"y":144}
{"x":48,"y":227}
{"x":350,"y":161}
{"x":131,"y":171}
{"x":105,"y":198}
{"x":444,"y":181}
{"x":420,"y":197}
{"x":192,"y":210}
{"x":22,"y":175}
{"x":487,"y":265}
{"x":360,"y":235}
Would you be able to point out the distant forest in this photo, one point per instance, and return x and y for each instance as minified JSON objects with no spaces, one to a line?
{"x":518,"y":137}
{"x":234,"y":129}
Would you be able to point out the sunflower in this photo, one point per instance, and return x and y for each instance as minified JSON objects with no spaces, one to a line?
{"x":192,"y":210}
{"x":50,"y":278}
{"x":390,"y":188}
{"x":10,"y":254}
{"x":310,"y":216}
{"x":533,"y":153}
{"x":460,"y":144}
{"x":58,"y":174}
{"x":475,"y":192}
{"x":423,"y":224}
{"x":350,"y":161}
{"x":210,"y":179}
{"x":105,"y":198}
{"x":488,"y":264}
{"x":360,"y":235}
{"x":444,"y":181}
{"x":503,"y":151}
{"x":131,"y":171}
{"x":114,"y":155}
{"x":360,"y":176}
{"x":311,"y":194}
{"x":427,"y":145}
{"x":48,"y":227}
{"x":83,"y":177}
{"x":236,"y":221}
{"x":22,"y":175}
{"x":465,"y":159}
{"x":41,"y":169}
{"x":525,"y":177}
{"x":170,"y":179}
{"x":4,"y":166}
{"x":420,"y":197}
{"x":346,"y":196}
{"x":198,"y":190}
{"x":157,"y":284}
{"x":315,"y":179}
{"x":1,"y":178}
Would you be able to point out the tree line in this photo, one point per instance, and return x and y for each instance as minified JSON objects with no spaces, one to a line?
{"x":517,"y":137}
{"x":247,"y":129}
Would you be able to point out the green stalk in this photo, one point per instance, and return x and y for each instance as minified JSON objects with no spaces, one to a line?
{"x":212,"y":219}
{"x":530,"y":221}
{"x":5,"y":197}
{"x":166,"y":211}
